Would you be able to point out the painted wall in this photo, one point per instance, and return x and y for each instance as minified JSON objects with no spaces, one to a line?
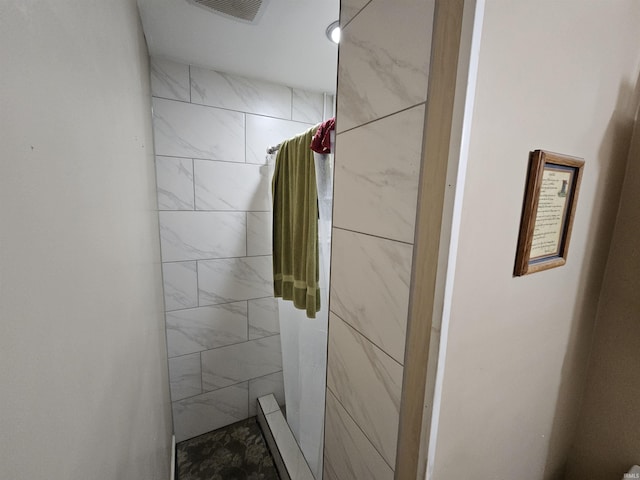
{"x":382,"y":87}
{"x":212,"y":131}
{"x":607,"y":442}
{"x":85,"y":391}
{"x":560,"y":76}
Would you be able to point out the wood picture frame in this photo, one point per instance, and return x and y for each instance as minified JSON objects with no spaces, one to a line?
{"x":551,"y":196}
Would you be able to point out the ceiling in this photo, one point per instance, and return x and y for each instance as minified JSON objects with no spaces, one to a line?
{"x":287,"y":45}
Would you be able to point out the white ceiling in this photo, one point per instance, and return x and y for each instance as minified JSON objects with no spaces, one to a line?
{"x":288,"y":44}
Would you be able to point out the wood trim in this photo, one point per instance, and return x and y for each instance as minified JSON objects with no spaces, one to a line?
{"x":415,"y":419}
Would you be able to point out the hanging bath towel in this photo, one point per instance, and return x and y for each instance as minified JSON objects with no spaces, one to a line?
{"x":295,"y":225}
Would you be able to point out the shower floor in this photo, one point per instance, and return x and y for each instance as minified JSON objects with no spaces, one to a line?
{"x":234,"y":452}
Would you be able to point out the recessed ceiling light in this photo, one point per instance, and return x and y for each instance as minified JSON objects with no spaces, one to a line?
{"x":333,"y":32}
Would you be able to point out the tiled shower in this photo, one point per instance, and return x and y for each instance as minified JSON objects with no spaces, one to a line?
{"x":211,"y":133}
{"x":379,"y":147}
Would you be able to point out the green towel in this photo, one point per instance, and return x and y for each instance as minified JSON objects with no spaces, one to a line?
{"x":295,"y":225}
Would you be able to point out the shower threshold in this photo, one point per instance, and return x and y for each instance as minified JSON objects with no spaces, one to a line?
{"x":290,"y":462}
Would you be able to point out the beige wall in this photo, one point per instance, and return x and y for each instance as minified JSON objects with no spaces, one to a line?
{"x":382,"y":87}
{"x":607,"y":440}
{"x":558,"y":76}
{"x":83,"y":358}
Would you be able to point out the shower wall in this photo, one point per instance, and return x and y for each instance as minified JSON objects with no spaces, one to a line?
{"x":211,"y":132}
{"x":382,"y":88}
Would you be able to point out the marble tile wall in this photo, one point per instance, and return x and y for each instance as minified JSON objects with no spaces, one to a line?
{"x":211,"y":133}
{"x":348,"y":448}
{"x":370,"y":287}
{"x":382,"y":89}
{"x":384,"y":60}
{"x":367,"y":383}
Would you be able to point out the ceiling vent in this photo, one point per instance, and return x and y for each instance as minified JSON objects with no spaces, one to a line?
{"x":243,"y":10}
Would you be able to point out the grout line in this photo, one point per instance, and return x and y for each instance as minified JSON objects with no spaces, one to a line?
{"x":279,"y":118}
{"x":244,"y":128}
{"x":211,"y":259}
{"x":357,"y":13}
{"x":160,"y":97}
{"x":266,"y":375}
{"x":214,"y":159}
{"x":219,"y":160}
{"x":248,"y":329}
{"x":228,"y":345}
{"x":174,"y":156}
{"x":254,"y":256}
{"x":197,"y":285}
{"x":222,"y":388}
{"x":372,"y":235}
{"x":246,"y":234}
{"x":193,"y":181}
{"x":218,"y":211}
{"x":215,"y":304}
{"x":211,"y":391}
{"x":367,"y":338}
{"x":381,"y":118}
{"x":201,"y":370}
{"x":335,"y":396}
{"x":256,"y":114}
{"x":186,"y":355}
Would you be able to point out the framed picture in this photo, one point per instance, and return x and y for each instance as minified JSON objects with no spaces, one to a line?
{"x":550,"y":202}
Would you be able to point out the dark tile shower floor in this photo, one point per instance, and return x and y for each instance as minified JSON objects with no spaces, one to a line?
{"x":235,"y":452}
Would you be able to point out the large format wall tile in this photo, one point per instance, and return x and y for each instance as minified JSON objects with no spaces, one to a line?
{"x":198,"y":329}
{"x":384,"y":60}
{"x":185,"y":376}
{"x":352,"y":455}
{"x":217,"y":89}
{"x":370,"y":287}
{"x":231,"y":186}
{"x":234,"y":279}
{"x":328,"y":473}
{"x":259,"y":233}
{"x":193,"y":131}
{"x":214,"y":195}
{"x":377,"y":174}
{"x":259,"y":387}
{"x":307,"y":106}
{"x":209,"y":411}
{"x":180,"y":285}
{"x":368,"y":383}
{"x":175,"y":183}
{"x":169,"y":80}
{"x":265,"y":132}
{"x":195,"y":235}
{"x":263,"y":318}
{"x":349,"y":9}
{"x":238,"y":363}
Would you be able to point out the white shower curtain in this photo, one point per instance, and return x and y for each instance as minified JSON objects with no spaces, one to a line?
{"x":304,"y":340}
